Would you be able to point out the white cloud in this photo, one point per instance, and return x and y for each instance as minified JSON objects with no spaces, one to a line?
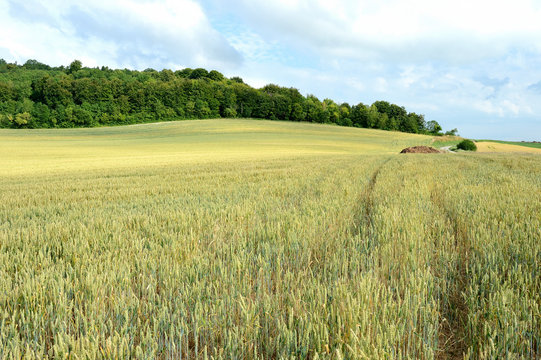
{"x":126,"y":33}
{"x":445,"y":30}
{"x":251,"y":45}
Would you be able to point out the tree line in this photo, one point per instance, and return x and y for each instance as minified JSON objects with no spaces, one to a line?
{"x":35,"y":95}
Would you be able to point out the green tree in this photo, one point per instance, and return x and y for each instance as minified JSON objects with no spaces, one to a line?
{"x":32,"y":64}
{"x":7,"y":91}
{"x":230,"y":113}
{"x":199,"y":73}
{"x":6,"y":121}
{"x":383,"y":121}
{"x":184,"y":73}
{"x":359,"y":115}
{"x":467,"y":145}
{"x":333,"y":111}
{"x":409,"y":124}
{"x":3,"y":66}
{"x":82,"y":117}
{"x":215,"y":75}
{"x":22,"y":119}
{"x":51,"y":91}
{"x":297,"y":113}
{"x":345,"y":110}
{"x":166,"y":75}
{"x":41,"y":115}
{"x":419,"y":120}
{"x":373,"y":117}
{"x":433,"y":127}
{"x":75,"y":66}
{"x":202,"y":109}
{"x":237,"y":80}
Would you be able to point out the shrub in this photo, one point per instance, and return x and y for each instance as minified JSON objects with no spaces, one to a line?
{"x":467,"y":145}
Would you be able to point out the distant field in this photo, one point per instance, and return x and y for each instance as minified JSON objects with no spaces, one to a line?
{"x":264,"y":240}
{"x":503,"y":147}
{"x":490,"y":146}
{"x":536,"y":145}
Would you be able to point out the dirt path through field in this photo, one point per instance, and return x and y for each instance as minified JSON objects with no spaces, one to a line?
{"x":447,"y":149}
{"x":368,"y":194}
{"x":454,"y":308}
{"x":363,"y":213}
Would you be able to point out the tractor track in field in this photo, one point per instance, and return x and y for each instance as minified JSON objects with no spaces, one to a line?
{"x":454,"y":308}
{"x":368,"y":194}
{"x":364,"y":217}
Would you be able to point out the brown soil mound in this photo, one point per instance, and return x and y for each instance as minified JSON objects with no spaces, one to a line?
{"x":420,"y":150}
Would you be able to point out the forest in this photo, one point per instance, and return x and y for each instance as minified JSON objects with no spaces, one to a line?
{"x":36,"y":95}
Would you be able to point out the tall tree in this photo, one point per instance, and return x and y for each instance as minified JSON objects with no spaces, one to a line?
{"x":75,"y":66}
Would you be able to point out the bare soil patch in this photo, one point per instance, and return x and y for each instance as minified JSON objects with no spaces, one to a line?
{"x":420,"y":150}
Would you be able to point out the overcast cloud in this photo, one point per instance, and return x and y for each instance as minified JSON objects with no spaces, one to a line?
{"x":126,"y":33}
{"x":469,"y":64}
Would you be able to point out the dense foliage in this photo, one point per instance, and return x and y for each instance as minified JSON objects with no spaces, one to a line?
{"x":35,"y":95}
{"x":467,"y":145}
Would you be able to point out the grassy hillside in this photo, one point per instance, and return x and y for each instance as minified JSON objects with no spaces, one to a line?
{"x":446,"y":140}
{"x":195,"y":141}
{"x":268,"y":240}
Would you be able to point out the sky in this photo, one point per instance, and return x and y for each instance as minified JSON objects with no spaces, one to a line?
{"x":474,"y":65}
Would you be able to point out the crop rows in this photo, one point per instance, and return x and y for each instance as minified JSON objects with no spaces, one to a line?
{"x":334,"y":256}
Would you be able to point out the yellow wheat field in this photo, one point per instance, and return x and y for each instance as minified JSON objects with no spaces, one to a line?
{"x":493,"y":147}
{"x":264,"y":240}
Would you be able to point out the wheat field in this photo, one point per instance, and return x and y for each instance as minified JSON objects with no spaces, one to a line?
{"x":494,"y":147}
{"x":242,"y":239}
